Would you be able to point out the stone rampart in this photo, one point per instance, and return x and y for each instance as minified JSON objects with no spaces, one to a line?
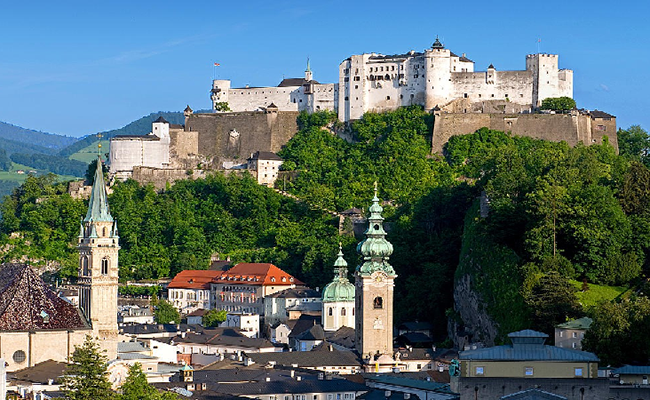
{"x":571,"y":128}
{"x":235,"y":136}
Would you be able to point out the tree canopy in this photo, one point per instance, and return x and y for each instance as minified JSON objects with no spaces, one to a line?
{"x":86,"y":377}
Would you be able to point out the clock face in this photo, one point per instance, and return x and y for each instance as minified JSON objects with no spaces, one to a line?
{"x":378,"y":276}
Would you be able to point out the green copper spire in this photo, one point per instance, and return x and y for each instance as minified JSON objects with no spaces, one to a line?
{"x":308,"y":66}
{"x":98,"y":203}
{"x":375,"y":248}
{"x":340,"y":289}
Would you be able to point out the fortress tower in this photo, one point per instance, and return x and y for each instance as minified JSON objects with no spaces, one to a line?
{"x":374,"y":289}
{"x":98,"y":267}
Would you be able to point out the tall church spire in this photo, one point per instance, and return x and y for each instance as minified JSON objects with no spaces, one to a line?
{"x":375,"y":248}
{"x":98,"y":205}
{"x":308,"y":74}
{"x":98,"y":266}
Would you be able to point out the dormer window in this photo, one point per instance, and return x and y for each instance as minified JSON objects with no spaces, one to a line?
{"x":273,"y":279}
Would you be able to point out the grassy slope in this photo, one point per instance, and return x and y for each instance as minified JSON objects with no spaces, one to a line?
{"x":597,"y":293}
{"x":89,"y":153}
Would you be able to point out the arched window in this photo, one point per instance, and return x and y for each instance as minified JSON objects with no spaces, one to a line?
{"x":84,"y":266}
{"x":378,"y":302}
{"x":343,"y":312}
{"x":353,"y":312}
{"x":104,"y":232}
{"x":330,"y":311}
{"x":104,"y":266}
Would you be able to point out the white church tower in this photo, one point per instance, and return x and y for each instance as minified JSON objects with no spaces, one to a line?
{"x":98,"y":267}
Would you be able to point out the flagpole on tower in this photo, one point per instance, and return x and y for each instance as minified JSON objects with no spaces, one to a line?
{"x":538,"y":45}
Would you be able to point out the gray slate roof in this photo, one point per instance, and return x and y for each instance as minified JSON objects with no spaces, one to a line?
{"x":633,"y":370}
{"x":320,"y":358}
{"x":528,"y":352}
{"x":409,"y":383}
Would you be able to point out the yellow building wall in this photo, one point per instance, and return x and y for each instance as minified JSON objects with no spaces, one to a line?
{"x":517,"y":369}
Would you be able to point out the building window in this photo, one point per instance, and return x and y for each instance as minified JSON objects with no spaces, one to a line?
{"x":528,"y":371}
{"x":479,"y":371}
{"x":84,"y":266}
{"x":387,"y":97}
{"x":378,"y":302}
{"x":19,"y":356}
{"x":104,"y":266}
{"x":575,"y":334}
{"x":561,"y":334}
{"x":574,"y":345}
{"x":343,"y":312}
{"x":578,"y":371}
{"x":330,"y":312}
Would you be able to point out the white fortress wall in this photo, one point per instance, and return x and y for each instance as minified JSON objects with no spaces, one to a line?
{"x":125,"y":153}
{"x":251,"y":99}
{"x":515,"y":86}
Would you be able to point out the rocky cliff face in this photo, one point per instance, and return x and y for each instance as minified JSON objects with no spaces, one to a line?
{"x":471,"y":323}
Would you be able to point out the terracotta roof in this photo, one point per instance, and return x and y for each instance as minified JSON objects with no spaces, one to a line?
{"x":27,"y":303}
{"x":193,"y":279}
{"x":261,"y":274}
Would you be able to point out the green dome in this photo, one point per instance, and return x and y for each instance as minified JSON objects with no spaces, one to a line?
{"x":340,"y":289}
{"x":375,"y":249}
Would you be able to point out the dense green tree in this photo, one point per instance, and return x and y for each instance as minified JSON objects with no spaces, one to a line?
{"x":86,"y":376}
{"x":558,"y":103}
{"x":634,"y":144}
{"x":5,"y":161}
{"x":136,"y":387}
{"x":618,"y":334}
{"x":166,"y":313}
{"x":213,"y":318}
{"x":222,"y":106}
{"x":552,"y":300}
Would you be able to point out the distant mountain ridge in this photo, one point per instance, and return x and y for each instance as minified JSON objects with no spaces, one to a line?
{"x":141,"y":126}
{"x":32,"y":137}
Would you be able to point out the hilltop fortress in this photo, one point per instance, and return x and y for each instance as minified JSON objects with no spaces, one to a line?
{"x":434,"y":78}
{"x":263,"y":119}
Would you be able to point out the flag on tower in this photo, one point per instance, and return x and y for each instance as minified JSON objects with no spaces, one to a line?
{"x":217,"y":64}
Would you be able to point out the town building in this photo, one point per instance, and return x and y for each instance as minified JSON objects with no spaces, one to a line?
{"x":374,"y":280}
{"x":570,"y":334}
{"x":265,"y":166}
{"x":292,"y":94}
{"x":338,"y":298}
{"x":247,"y":323}
{"x":277,"y":305}
{"x":324,"y":359}
{"x":244,"y":287}
{"x":190,"y":290}
{"x":528,"y":364}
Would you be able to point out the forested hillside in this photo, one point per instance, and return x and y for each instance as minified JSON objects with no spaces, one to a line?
{"x":564,"y":232}
{"x":29,"y":136}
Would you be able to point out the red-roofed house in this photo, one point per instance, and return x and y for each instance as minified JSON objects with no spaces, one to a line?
{"x":243,"y":287}
{"x":190,"y":289}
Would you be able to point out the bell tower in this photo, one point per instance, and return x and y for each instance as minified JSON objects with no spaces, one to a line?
{"x":98,"y":267}
{"x":374,"y":281}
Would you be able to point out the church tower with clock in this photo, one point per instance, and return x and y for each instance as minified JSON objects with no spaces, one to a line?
{"x":374,"y":280}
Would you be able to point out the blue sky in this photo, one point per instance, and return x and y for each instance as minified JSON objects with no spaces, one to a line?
{"x":79,"y":67}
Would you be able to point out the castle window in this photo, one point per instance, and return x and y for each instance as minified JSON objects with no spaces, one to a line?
{"x":465,"y":95}
{"x":387,"y":97}
{"x":506,"y":95}
{"x":330,"y":312}
{"x":357,"y":78}
{"x":356,"y":86}
{"x":346,"y":98}
{"x":492,"y":94}
{"x":378,"y":302}
{"x":343,"y":312}
{"x":479,"y":96}
{"x":105,"y":266}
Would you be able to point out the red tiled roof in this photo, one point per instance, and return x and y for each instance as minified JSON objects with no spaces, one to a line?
{"x":193,"y":279}
{"x":262,"y":274}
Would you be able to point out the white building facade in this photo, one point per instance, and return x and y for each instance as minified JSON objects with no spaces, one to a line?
{"x":248,"y":324}
{"x":437,"y":76}
{"x":432,"y":78}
